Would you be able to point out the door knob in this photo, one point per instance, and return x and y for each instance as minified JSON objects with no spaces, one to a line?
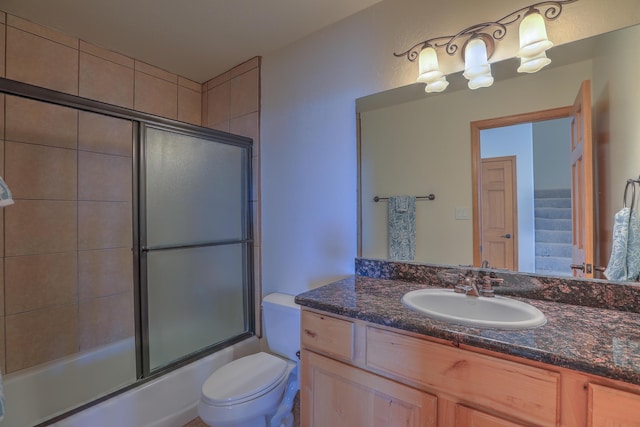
{"x":507,"y":236}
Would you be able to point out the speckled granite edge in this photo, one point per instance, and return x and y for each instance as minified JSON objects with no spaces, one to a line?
{"x":592,"y":340}
{"x":622,"y":296}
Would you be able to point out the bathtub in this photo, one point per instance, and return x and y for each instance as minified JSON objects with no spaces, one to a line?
{"x":36,"y":394}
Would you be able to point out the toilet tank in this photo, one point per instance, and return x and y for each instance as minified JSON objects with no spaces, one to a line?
{"x":281,"y":317}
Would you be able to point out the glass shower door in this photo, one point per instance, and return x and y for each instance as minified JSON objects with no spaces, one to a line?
{"x":196,"y":243}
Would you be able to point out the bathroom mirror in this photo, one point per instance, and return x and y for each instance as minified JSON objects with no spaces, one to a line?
{"x":412,"y":143}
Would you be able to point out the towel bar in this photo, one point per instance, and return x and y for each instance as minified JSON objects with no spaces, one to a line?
{"x":429,"y":197}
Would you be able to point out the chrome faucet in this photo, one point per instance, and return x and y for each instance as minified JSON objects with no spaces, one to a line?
{"x":476,"y":286}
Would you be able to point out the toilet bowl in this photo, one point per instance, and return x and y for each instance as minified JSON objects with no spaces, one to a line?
{"x":249,"y":391}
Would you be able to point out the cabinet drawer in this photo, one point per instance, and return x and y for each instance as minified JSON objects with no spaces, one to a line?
{"x":524,"y":392}
{"x":327,"y":334}
{"x":611,"y":407}
{"x":470,"y":417}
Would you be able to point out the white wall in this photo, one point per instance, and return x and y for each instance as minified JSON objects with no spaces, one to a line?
{"x":616,"y":129}
{"x":552,"y":154}
{"x":517,"y":140}
{"x":308,"y":129}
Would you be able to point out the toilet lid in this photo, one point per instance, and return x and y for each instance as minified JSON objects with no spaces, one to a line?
{"x":243,"y":378}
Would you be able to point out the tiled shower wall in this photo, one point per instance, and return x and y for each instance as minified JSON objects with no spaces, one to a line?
{"x":66,"y":275}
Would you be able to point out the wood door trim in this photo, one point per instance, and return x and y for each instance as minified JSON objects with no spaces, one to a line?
{"x":476,"y":127}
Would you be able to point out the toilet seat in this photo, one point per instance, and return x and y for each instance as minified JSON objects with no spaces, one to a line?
{"x":231,"y":384}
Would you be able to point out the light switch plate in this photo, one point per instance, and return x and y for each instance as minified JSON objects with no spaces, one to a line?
{"x":463,"y":213}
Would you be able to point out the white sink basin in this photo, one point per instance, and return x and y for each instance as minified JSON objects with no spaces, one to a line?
{"x":481,"y":312}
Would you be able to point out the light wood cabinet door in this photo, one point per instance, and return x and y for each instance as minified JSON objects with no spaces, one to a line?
{"x":334,"y":394}
{"x":609,"y":407}
{"x":467,"y":417}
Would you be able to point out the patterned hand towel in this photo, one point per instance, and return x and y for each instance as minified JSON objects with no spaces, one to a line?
{"x":402,"y":228}
{"x":624,"y":262}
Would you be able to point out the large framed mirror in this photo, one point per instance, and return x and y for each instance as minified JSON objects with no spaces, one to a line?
{"x":412,"y":143}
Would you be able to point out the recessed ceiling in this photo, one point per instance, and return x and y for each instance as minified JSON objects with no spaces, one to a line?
{"x":197,"y":39}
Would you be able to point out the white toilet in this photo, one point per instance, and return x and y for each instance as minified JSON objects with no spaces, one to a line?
{"x":248,"y":391}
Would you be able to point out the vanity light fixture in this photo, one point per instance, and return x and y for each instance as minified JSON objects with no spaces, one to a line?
{"x":479,"y":43}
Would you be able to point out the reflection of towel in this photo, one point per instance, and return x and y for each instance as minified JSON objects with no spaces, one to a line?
{"x":5,"y":194}
{"x":402,"y":227}
{"x":624,"y":263}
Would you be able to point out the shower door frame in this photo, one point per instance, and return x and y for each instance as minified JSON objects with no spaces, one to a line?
{"x":139,"y":121}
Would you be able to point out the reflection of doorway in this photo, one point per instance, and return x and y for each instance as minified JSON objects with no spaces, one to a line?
{"x":499,"y":212}
{"x":582,"y":165}
{"x":529,"y":252}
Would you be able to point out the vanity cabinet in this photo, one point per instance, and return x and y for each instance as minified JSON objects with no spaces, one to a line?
{"x":355,"y":373}
{"x":612,"y":407}
{"x":342,"y":395}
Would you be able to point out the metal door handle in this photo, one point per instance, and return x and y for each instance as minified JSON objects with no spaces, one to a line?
{"x":507,"y":236}
{"x":578,"y":267}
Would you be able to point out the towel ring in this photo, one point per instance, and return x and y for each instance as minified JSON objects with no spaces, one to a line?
{"x":632,"y":183}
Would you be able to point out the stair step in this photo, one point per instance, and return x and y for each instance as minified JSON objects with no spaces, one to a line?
{"x":564,"y":193}
{"x":553,"y":236}
{"x":550,"y":263}
{"x":560,"y":213}
{"x":553,"y":250}
{"x":552,"y":203}
{"x":553,"y":224}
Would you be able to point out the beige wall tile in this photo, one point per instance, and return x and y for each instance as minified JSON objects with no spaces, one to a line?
{"x":34,"y":282}
{"x":104,"y":272}
{"x":41,"y":172}
{"x":3,"y":358}
{"x":3,"y":37}
{"x":223,"y":126}
{"x":2,"y":158}
{"x":39,"y":30}
{"x":189,"y":84}
{"x":244,"y":67}
{"x":156,"y":72}
{"x":41,"y":123}
{"x":156,"y":96}
{"x":106,"y":81}
{"x":106,"y":54}
{"x":104,"y":134}
{"x":205,"y":109}
{"x":245,"y":93}
{"x":106,"y":320}
{"x":189,"y":106}
{"x":39,"y":227}
{"x":40,"y":336}
{"x":248,"y":126}
{"x":2,"y":292}
{"x":41,"y":62}
{"x":103,"y":225}
{"x":2,"y":250}
{"x":217,"y":81}
{"x":218,"y":104}
{"x":104,"y":177}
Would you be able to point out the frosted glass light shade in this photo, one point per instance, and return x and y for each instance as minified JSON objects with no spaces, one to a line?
{"x":428,"y":67}
{"x":437,"y":86}
{"x":484,"y":80}
{"x":475,"y":59}
{"x":533,"y":36}
{"x":533,"y":64}
{"x":476,"y":65}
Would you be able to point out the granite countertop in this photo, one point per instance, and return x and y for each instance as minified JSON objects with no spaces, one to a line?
{"x":594,"y":340}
